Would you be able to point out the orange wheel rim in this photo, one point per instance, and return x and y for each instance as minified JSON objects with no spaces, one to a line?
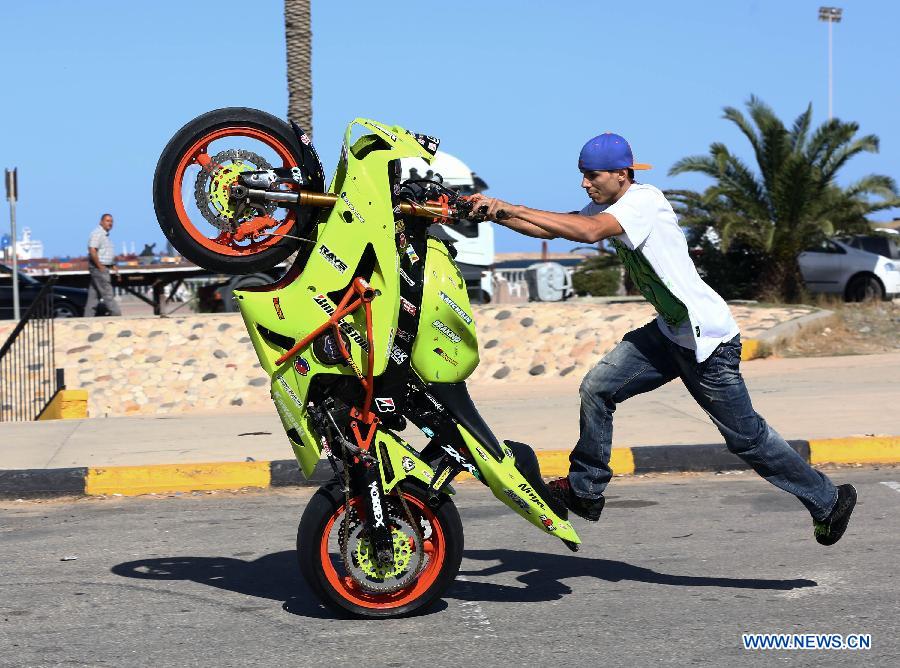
{"x":224,"y":243}
{"x":434,"y":547}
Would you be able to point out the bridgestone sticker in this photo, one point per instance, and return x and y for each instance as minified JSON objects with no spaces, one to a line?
{"x":452,"y":304}
{"x":385,"y":404}
{"x":346,"y":327}
{"x":334,"y":260}
{"x":446,"y":331}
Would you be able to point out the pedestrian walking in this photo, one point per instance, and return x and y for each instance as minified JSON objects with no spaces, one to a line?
{"x":693,"y":337}
{"x":101,"y":263}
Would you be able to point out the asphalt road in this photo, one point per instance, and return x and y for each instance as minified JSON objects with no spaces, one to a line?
{"x":678,"y":568}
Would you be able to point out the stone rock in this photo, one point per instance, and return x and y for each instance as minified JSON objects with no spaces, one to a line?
{"x":79,"y":349}
{"x":547,"y":329}
{"x":258,"y":382}
{"x":82,"y":360}
{"x":95,"y":336}
{"x":537,"y":370}
{"x":153,"y":359}
{"x":237,"y":402}
{"x":502,"y":372}
{"x":81,"y":326}
{"x":502,"y":315}
{"x":124,"y":333}
{"x":189,"y":362}
{"x":223,"y":327}
{"x":103,"y":379}
{"x":527,"y":322}
{"x":197,"y":325}
{"x":584,"y":332}
{"x":244,"y":339}
{"x":155,"y":332}
{"x":193,"y":337}
{"x":567,"y":370}
{"x":220,"y":354}
{"x":490,"y":344}
{"x":209,"y":376}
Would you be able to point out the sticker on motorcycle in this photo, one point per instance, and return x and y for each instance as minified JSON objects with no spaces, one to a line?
{"x":411,"y":253}
{"x":530,"y":493}
{"x":401,"y":240}
{"x":410,"y":282}
{"x":457,"y":309}
{"x":398,"y":355}
{"x":446,"y":357}
{"x":276,"y":302}
{"x":408,"y":306}
{"x":404,"y":335}
{"x":301,"y":366}
{"x":446,"y":331}
{"x":332,"y":259}
{"x":548,"y":523}
{"x":289,"y":391}
{"x":346,"y":327}
{"x":518,"y":500}
{"x":407,"y":463}
{"x":429,"y":143}
{"x":460,"y":460}
{"x":377,"y":512}
{"x":351,"y":207}
{"x":384,"y":131}
{"x":384,"y":404}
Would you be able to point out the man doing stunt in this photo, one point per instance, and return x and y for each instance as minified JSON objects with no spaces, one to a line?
{"x":694,"y":337}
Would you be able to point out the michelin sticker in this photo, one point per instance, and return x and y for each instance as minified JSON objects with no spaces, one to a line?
{"x":452,"y":304}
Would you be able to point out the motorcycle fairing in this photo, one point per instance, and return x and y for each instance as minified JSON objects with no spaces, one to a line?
{"x":510,"y":485}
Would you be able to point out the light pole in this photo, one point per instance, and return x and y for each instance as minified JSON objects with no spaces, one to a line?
{"x":832,"y":15}
{"x":12,"y":187}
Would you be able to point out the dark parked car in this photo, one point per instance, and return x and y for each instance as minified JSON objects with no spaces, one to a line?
{"x":67,"y":302}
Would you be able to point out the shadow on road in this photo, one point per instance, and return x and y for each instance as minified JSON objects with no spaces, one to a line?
{"x":276,"y":576}
{"x":542,"y":574}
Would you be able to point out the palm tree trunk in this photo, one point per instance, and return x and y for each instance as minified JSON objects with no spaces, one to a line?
{"x":298,"y":39}
{"x":783,"y":282}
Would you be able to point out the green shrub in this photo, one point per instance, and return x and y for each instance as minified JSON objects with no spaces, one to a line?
{"x":598,"y":276}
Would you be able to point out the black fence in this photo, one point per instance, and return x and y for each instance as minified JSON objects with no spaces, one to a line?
{"x":29,"y":378}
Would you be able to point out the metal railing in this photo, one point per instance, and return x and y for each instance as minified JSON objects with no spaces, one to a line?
{"x":29,"y":378}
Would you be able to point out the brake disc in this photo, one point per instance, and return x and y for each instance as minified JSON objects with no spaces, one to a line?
{"x":363,"y":565}
{"x":212,"y":189}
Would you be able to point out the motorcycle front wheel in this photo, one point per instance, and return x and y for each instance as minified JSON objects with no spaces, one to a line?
{"x":192,"y":183}
{"x":369,"y":589}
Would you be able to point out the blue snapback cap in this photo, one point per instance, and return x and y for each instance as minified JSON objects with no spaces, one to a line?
{"x":607,"y":151}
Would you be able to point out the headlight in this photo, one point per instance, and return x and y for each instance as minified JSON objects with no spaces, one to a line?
{"x":890,"y":266}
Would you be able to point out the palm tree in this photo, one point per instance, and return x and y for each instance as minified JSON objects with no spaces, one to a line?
{"x":298,"y":39}
{"x":793,"y":201}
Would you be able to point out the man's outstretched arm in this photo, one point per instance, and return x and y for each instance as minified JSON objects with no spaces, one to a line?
{"x":548,"y":224}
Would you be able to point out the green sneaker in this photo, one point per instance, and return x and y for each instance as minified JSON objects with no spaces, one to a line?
{"x":830,"y":530}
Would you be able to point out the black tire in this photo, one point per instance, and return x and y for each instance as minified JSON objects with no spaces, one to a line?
{"x":227,"y":291}
{"x":864,"y":288}
{"x":324,"y":504}
{"x":65,"y":310}
{"x":164,"y":202}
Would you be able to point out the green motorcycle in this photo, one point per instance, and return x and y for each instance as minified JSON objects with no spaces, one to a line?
{"x":370,"y":329}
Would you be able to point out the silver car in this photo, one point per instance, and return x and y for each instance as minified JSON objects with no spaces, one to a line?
{"x":836,"y":268}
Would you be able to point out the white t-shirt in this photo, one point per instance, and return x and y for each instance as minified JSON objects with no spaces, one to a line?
{"x":655,"y":253}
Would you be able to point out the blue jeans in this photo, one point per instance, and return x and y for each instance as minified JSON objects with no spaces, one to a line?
{"x":644,"y":360}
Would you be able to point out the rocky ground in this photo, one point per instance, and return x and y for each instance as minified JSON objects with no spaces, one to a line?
{"x":857,"y":329}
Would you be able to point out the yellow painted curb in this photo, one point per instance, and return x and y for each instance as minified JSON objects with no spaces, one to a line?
{"x":750,"y":350}
{"x":67,"y":405}
{"x":855,"y":450}
{"x":134,"y":480}
{"x":556,"y":462}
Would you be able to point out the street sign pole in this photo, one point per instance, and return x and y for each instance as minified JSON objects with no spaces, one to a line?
{"x":11,"y":195}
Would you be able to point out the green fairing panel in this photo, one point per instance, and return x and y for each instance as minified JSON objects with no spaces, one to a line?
{"x":511,"y":487}
{"x":446,"y":345}
{"x":399,"y":461}
{"x":362,"y":217}
{"x":672,"y":309}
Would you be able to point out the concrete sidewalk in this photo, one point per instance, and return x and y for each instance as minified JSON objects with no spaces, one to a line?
{"x":806,"y":399}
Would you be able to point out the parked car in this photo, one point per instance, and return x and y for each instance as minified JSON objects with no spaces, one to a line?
{"x":835,"y":267}
{"x":874,"y":243}
{"x":67,"y":302}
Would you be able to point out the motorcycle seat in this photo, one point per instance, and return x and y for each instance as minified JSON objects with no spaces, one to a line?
{"x":455,"y":398}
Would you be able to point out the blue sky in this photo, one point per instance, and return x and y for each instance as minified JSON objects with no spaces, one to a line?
{"x":92,"y":91}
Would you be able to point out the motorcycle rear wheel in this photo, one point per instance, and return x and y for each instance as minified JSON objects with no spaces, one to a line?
{"x":322,"y":571}
{"x":194,"y":237}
